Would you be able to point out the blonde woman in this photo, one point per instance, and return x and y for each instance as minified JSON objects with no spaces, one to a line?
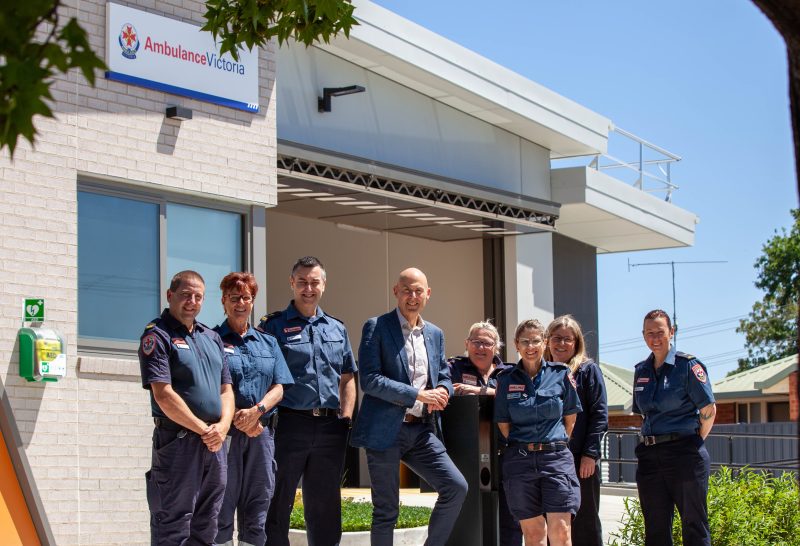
{"x":565,"y":344}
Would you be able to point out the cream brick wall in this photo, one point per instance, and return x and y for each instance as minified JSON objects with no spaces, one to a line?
{"x":87,"y":437}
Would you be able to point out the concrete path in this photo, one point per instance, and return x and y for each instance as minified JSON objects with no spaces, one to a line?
{"x":611,"y":503}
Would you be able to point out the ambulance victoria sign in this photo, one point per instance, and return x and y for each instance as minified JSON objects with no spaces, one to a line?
{"x":167,"y":55}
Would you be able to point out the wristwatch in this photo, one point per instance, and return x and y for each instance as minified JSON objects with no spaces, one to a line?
{"x":262,"y":409}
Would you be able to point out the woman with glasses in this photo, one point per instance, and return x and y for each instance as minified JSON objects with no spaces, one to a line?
{"x":535,"y":408}
{"x":565,"y":344}
{"x":259,"y":373}
{"x":476,"y":373}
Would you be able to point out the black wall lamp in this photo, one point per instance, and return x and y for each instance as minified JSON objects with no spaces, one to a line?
{"x":178,"y":112}
{"x":324,"y":102}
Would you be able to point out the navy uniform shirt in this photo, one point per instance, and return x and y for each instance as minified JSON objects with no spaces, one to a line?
{"x":462,"y":370}
{"x":670,"y":399}
{"x":255,"y":362}
{"x":535,"y":407}
{"x":317,"y":351}
{"x":592,"y":422}
{"x":192,"y":362}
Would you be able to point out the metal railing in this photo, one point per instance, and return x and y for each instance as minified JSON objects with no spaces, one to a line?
{"x":649,"y":174}
{"x":721,"y":447}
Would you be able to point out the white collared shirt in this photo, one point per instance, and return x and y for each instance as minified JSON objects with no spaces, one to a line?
{"x":417,"y":357}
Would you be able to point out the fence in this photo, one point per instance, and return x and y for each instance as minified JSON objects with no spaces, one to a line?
{"x":771,"y":447}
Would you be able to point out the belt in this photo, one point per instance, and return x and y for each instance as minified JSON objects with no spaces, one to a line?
{"x":316,"y":412}
{"x":408,"y":418}
{"x":547,"y":446}
{"x":269,"y":422}
{"x":660,"y":439}
{"x":166,"y":424}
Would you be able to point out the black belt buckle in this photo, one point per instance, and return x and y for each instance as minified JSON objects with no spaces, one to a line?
{"x":649,"y":440}
{"x":317,"y":412}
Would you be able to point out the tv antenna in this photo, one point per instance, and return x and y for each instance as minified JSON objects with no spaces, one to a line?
{"x":672,"y":266}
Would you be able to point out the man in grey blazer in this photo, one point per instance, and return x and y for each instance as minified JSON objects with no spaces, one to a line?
{"x":405,"y":379}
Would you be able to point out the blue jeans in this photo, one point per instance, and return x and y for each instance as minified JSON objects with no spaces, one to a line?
{"x":419,"y":448}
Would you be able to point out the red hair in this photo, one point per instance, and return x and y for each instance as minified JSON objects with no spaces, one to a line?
{"x":239,"y":281}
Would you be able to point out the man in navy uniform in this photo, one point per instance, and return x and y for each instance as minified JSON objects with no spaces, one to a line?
{"x":315,"y":415}
{"x":404,"y":376}
{"x":671,"y":390}
{"x":183,"y":366}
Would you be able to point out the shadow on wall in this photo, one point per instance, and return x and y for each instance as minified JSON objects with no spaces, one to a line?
{"x":23,"y":396}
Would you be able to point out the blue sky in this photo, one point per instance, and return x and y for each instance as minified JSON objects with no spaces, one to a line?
{"x":705,"y":80}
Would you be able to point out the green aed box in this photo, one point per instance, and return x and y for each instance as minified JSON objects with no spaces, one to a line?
{"x":42,"y":354}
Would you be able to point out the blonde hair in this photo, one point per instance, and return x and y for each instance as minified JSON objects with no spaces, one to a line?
{"x":489,"y":327}
{"x":568,"y":322}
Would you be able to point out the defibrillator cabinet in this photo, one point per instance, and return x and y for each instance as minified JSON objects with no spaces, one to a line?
{"x":42,"y":354}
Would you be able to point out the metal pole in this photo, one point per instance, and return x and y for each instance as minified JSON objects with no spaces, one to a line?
{"x":674,"y":309}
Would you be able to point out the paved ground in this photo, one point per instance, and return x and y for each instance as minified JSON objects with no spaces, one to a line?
{"x":611,"y":503}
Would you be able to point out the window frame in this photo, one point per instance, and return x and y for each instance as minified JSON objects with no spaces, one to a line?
{"x":161,"y":197}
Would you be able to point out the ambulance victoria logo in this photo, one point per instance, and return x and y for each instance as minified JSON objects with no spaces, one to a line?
{"x":129,"y":41}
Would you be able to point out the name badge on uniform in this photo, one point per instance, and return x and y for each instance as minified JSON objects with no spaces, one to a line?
{"x":469,"y":379}
{"x":643,"y":380}
{"x":292,"y":329}
{"x":294,"y":338}
{"x":511,"y":395}
{"x":229,"y":349}
{"x":180,"y":343}
{"x":638,"y":389}
{"x":516,"y":388}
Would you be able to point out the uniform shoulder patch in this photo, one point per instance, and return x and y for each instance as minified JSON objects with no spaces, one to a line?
{"x":148,"y":344}
{"x":699,"y":373}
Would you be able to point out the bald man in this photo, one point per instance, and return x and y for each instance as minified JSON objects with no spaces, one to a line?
{"x":406,"y":382}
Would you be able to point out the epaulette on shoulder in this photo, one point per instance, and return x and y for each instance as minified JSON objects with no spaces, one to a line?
{"x":270,"y":316}
{"x":150,"y":325}
{"x":340,"y":321}
{"x":455,"y":358}
{"x":687,"y":356}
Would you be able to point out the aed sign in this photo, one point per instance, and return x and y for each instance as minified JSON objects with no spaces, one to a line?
{"x":167,"y":55}
{"x":33,"y":310}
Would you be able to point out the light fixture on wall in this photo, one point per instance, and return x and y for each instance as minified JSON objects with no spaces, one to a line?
{"x":324,"y":102}
{"x":178,"y":112}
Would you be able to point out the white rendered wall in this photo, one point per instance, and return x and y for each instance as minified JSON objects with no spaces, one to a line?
{"x":397,"y":125}
{"x":529,"y":282}
{"x":88,"y":436}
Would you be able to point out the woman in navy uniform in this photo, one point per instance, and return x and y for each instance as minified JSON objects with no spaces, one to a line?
{"x":671,"y":390}
{"x":535,"y":408}
{"x":259,"y":373}
{"x":476,"y":373}
{"x":565,"y":344}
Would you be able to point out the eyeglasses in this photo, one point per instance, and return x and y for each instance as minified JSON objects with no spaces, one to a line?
{"x":479,"y":343}
{"x":525,"y":342}
{"x":564,"y":340}
{"x":236,"y":298}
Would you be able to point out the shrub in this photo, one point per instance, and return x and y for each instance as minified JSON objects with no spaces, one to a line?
{"x":357,"y":516}
{"x":747,"y":508}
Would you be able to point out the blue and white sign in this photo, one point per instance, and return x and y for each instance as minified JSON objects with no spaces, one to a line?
{"x":167,"y":55}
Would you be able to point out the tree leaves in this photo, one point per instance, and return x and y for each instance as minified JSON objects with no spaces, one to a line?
{"x":255,"y":22}
{"x":771,"y":327}
{"x":31,"y":63}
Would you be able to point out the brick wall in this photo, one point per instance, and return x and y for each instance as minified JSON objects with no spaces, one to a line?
{"x":726,"y":413}
{"x":87,"y":436}
{"x":794,"y":397}
{"x":624,"y":421}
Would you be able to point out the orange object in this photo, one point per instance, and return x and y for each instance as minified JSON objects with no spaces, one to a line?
{"x":16,"y":524}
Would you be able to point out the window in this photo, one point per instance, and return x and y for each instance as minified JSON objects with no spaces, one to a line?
{"x":742,"y":413}
{"x":129,"y":247}
{"x":778,"y":412}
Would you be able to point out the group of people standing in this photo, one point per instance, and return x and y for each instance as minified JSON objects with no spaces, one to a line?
{"x":242,"y":413}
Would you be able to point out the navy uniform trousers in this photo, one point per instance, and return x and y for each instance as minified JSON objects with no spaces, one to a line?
{"x":419,"y":448}
{"x":674,"y":474}
{"x":251,"y":484}
{"x":185,"y":487}
{"x":586,"y":528}
{"x":312,"y":448}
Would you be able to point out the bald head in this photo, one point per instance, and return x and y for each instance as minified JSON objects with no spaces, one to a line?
{"x":412,"y":293}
